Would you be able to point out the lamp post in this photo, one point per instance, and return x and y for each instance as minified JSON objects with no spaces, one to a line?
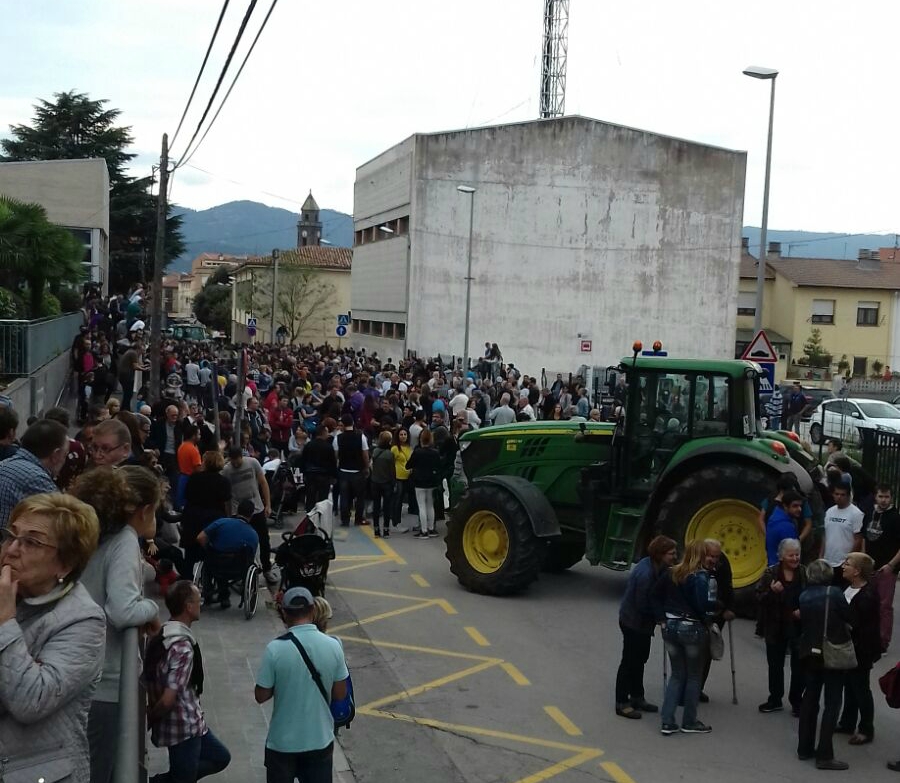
{"x":275,"y":255}
{"x":756,"y":72}
{"x":470,"y":191}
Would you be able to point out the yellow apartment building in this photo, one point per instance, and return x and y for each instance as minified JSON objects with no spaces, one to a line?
{"x":855,"y":305}
{"x":313,"y":290}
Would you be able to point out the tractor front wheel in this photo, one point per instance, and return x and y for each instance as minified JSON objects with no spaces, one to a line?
{"x":722,"y":502}
{"x":491,"y":546}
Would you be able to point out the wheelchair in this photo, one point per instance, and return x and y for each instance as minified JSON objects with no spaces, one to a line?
{"x":235,"y":572}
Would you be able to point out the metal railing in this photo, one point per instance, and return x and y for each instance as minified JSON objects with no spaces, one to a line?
{"x":26,"y":346}
{"x":130,"y":767}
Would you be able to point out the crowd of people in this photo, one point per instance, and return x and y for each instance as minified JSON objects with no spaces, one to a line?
{"x":842,"y":600}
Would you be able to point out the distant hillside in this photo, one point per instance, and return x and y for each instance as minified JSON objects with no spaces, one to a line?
{"x":809,"y":244}
{"x":248,"y":227}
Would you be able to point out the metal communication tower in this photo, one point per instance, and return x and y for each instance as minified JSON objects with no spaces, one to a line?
{"x":554,"y":54}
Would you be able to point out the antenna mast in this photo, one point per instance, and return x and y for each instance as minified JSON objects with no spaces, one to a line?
{"x":554,"y":54}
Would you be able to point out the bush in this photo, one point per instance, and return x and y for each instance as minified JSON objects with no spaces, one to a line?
{"x":49,"y":306}
{"x":9,"y":304}
{"x":69,"y":299}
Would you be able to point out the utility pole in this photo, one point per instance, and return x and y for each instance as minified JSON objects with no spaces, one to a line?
{"x":275,"y":255}
{"x":159,"y":263}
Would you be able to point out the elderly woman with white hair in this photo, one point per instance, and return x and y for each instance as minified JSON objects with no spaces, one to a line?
{"x":778,"y":594}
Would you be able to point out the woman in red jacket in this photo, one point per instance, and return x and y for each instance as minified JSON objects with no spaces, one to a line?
{"x":280,"y":420}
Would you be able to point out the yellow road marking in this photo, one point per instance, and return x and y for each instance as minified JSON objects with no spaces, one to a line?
{"x":564,"y":723}
{"x":481,"y":732}
{"x":616,"y":772}
{"x":358,"y":565}
{"x":378,"y":594}
{"x":562,"y":766}
{"x":429,"y":686}
{"x":383,"y":616}
{"x":445,"y":605}
{"x":517,"y":676}
{"x":420,"y":580}
{"x":416,"y":648}
{"x":386,"y":548}
{"x":476,"y":636}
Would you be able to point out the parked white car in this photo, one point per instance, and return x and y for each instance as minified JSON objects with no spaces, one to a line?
{"x":845,"y":418}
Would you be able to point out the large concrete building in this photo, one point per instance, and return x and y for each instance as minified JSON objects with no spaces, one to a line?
{"x":585,"y":237}
{"x":75,"y":194}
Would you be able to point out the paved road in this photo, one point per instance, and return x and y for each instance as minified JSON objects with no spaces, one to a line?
{"x":458,"y":687}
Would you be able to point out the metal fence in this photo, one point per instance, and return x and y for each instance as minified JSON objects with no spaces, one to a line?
{"x":26,"y":346}
{"x":881,"y":456}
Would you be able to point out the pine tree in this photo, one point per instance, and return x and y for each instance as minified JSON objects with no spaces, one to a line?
{"x":74,"y":126}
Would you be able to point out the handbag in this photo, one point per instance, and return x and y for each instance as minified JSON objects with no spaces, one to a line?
{"x":716,"y":642}
{"x":889,"y":682}
{"x":343,"y":711}
{"x":837,"y":657}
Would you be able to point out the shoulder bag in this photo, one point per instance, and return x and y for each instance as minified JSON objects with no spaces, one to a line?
{"x":889,"y":682}
{"x":343,"y":711}
{"x":838,"y":657}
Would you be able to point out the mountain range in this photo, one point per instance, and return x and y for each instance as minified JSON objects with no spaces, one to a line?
{"x":249,"y":228}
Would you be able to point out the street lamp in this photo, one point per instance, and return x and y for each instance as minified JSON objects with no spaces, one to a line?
{"x":470,"y":191}
{"x":275,"y":255}
{"x":756,"y":72}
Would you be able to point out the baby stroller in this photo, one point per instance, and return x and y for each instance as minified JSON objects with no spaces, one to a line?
{"x":305,"y":553}
{"x":284,"y":489}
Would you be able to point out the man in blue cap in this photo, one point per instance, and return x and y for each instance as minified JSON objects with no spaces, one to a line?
{"x":300,"y":741}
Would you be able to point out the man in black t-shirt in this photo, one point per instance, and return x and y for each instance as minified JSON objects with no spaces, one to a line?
{"x":882,"y":544}
{"x":352,"y":451}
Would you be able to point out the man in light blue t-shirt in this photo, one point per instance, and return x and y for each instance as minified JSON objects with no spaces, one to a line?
{"x":301,"y":733}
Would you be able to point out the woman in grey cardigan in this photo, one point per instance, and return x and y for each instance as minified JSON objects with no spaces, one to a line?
{"x":125,"y":500}
{"x":51,"y":640}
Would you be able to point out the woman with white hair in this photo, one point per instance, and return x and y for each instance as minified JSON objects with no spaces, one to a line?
{"x":778,"y":594}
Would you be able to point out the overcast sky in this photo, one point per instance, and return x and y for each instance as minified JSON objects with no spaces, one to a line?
{"x":332,"y":84}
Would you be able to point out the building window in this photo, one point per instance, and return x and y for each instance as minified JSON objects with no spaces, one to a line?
{"x":860,"y":364}
{"x":403,"y":225}
{"x":867,"y":313}
{"x":365,"y":327}
{"x":823,"y":311}
{"x":355,"y":325}
{"x":400,"y":331}
{"x":746,"y":304}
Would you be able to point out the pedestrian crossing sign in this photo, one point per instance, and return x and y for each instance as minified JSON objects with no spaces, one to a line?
{"x":343,"y":319}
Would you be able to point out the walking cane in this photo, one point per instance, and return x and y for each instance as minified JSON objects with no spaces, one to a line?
{"x":731,"y":651}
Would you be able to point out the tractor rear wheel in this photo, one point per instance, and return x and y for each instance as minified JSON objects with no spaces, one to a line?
{"x":722,"y":502}
{"x":491,"y":546}
{"x":561,"y":554}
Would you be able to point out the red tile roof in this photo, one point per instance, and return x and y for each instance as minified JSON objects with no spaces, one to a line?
{"x":319,"y":256}
{"x":749,"y":267}
{"x":835,"y":273}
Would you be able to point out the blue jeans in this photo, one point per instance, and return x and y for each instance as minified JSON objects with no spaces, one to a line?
{"x":686,"y":643}
{"x":195,"y":758}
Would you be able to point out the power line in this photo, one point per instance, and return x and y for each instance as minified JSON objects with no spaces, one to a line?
{"x":202,"y":66}
{"x":234,"y":81}
{"x":221,"y":78}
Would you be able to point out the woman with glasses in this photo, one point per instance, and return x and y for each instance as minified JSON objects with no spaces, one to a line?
{"x":125,"y":500}
{"x":51,"y":639}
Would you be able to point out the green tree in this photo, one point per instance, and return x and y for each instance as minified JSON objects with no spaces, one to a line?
{"x":212,"y":305}
{"x":815,"y":352}
{"x":38,"y":253}
{"x":303,"y":296}
{"x":74,"y":126}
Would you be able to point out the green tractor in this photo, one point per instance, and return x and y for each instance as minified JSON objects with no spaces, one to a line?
{"x":689,"y":461}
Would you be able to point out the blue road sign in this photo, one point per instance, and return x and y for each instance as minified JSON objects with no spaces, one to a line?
{"x":767,"y":381}
{"x":343,"y":320}
{"x":341,"y":331}
{"x":251,"y":323}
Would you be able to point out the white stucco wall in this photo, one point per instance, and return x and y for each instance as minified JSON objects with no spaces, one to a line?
{"x":580,"y":228}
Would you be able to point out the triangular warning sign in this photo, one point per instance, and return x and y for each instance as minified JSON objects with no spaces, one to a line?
{"x":760,"y":349}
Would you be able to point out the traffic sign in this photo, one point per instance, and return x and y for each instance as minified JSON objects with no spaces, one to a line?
{"x":586,"y":346}
{"x":343,"y":320}
{"x":341,"y":331}
{"x":767,"y":379}
{"x":251,"y":327}
{"x":760,"y":349}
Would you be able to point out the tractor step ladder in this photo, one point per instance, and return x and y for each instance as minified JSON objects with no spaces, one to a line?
{"x":621,"y":532}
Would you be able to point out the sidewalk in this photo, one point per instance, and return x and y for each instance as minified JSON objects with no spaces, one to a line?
{"x":232,"y":650}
